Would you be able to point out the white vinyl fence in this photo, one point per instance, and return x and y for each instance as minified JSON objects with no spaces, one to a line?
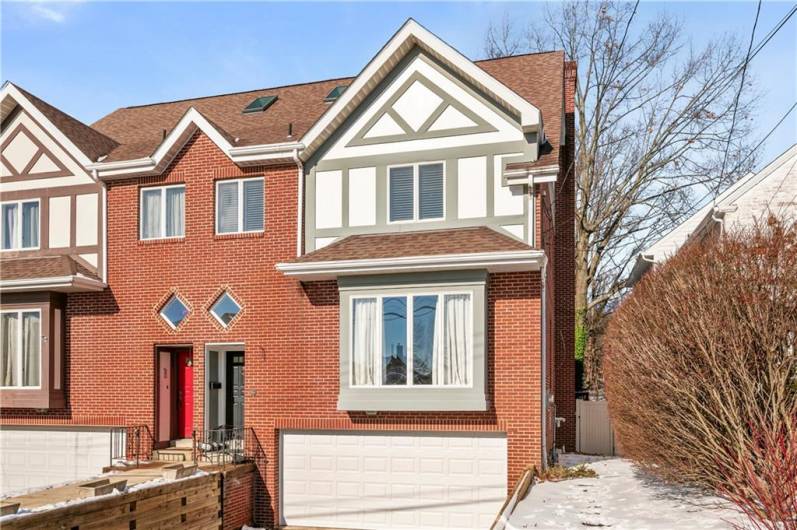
{"x":594,"y":432}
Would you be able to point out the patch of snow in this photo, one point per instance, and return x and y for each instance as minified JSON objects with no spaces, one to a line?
{"x":622,"y":497}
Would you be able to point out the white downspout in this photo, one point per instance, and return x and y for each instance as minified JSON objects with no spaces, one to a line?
{"x":300,"y":205}
{"x":544,"y":371}
{"x":720,"y":220}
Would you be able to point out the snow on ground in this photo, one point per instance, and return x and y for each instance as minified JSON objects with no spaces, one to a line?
{"x":622,"y":497}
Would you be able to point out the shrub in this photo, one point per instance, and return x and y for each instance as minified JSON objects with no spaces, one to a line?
{"x":556,"y":473}
{"x":701,"y":367}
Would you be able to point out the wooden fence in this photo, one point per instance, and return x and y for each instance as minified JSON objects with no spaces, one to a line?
{"x":594,"y":432}
{"x":190,"y":503}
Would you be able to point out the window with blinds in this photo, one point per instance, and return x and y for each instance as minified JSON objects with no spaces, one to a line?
{"x":416,"y":192}
{"x":240,"y":206}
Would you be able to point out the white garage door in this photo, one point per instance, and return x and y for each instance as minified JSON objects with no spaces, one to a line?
{"x":388,"y":480}
{"x":34,"y":457}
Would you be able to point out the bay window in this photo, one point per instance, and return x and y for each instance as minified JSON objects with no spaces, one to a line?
{"x":20,"y":225}
{"x":412,"y":340}
{"x":413,"y":344}
{"x":162,"y":212}
{"x":20,"y":362}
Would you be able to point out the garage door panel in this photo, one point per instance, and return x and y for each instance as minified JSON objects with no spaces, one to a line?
{"x":392,"y":480}
{"x":42,"y":456}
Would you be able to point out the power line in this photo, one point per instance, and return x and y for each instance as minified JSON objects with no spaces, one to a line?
{"x":750,"y":153}
{"x":736,"y":100}
{"x":773,"y":31}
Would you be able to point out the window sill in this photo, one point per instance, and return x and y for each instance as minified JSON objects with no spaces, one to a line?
{"x":412,"y":399}
{"x":240,"y":235}
{"x":161,"y":241}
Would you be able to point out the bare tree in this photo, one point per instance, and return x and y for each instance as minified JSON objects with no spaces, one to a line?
{"x":653,"y":122}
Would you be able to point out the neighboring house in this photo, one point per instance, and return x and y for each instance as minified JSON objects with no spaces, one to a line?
{"x":373,"y":276}
{"x":750,"y":200}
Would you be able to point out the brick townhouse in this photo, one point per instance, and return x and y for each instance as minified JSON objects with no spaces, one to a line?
{"x":372,"y":277}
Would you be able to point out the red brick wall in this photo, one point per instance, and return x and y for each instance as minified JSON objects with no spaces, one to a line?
{"x":564,"y":263}
{"x":238,"y":499}
{"x":290,"y":330}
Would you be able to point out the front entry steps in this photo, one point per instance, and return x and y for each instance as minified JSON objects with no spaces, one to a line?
{"x":178,"y":451}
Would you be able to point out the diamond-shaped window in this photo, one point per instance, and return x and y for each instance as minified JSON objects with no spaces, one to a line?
{"x":225,"y":309}
{"x":174,"y":311}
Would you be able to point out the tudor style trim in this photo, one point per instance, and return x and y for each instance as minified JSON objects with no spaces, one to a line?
{"x":408,"y":36}
{"x":9,"y":90}
{"x":515,"y":261}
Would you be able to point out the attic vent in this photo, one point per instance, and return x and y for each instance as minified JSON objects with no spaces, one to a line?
{"x":335,"y":93}
{"x":260,"y":104}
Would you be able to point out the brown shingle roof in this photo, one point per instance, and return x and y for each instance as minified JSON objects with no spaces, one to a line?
{"x":470,"y":240}
{"x":42,"y":267}
{"x":139,"y":130}
{"x":91,"y":142}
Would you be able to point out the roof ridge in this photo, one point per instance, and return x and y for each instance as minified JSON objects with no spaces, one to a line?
{"x":237,"y":93}
{"x":305,"y":83}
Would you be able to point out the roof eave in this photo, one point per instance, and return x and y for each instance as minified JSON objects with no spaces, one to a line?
{"x":514,"y":261}
{"x":193,"y":120}
{"x":74,"y":283}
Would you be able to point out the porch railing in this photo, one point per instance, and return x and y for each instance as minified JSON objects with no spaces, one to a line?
{"x":227,"y":445}
{"x":132,"y":444}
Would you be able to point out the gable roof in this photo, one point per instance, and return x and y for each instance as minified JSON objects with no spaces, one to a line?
{"x":127,"y":140}
{"x":91,"y":143}
{"x":140,"y":130}
{"x":697,"y":224}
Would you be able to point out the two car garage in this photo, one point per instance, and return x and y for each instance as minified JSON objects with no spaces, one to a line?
{"x":377,"y":480}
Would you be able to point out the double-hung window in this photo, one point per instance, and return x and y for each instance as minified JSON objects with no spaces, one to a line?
{"x":404,"y":340}
{"x":416,"y":192}
{"x":20,"y":225}
{"x":239,"y":206}
{"x":20,"y":359}
{"x":162,"y":212}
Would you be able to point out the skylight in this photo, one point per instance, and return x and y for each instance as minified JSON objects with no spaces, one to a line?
{"x":225,"y":309}
{"x":260,"y":104}
{"x":174,"y":311}
{"x":335,"y":93}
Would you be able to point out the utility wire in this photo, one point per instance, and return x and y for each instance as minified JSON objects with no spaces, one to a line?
{"x":736,"y":101}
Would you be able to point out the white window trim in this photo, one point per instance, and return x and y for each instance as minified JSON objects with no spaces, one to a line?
{"x":19,"y":348}
{"x":213,"y":313}
{"x":416,"y":198}
{"x":18,"y":228}
{"x":167,"y":319}
{"x":163,"y":212}
{"x":410,"y":348}
{"x":240,"y":185}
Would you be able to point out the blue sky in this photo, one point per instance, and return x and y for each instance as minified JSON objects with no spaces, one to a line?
{"x":89,"y":58}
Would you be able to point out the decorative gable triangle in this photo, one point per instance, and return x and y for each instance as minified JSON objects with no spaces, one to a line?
{"x":419,"y":109}
{"x":385,"y":126}
{"x":451,"y":118}
{"x":44,"y":165}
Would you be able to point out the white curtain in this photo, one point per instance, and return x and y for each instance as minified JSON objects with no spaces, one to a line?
{"x":31,"y":341}
{"x":364,"y":340}
{"x":151,"y":217}
{"x":452,"y":341}
{"x":30,"y":225}
{"x":175,"y":212}
{"x":8,"y":329}
{"x":10,"y":226}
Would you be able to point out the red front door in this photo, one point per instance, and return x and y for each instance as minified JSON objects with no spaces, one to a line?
{"x":185,"y":394}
